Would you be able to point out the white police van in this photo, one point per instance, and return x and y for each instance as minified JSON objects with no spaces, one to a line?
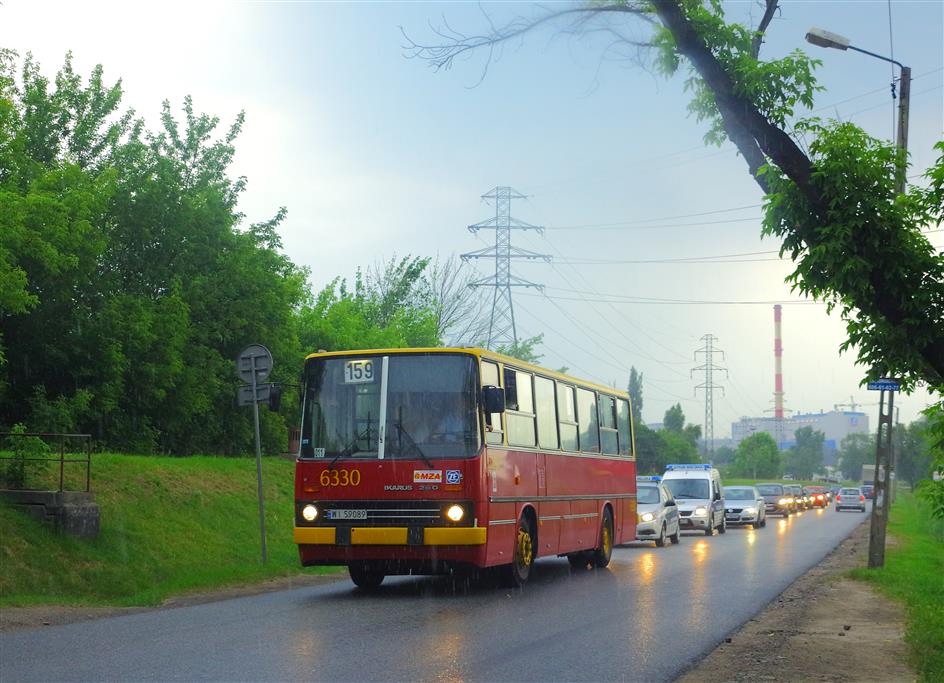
{"x":699,"y":495}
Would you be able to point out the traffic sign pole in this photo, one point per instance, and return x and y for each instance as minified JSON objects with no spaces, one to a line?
{"x":255,"y":416}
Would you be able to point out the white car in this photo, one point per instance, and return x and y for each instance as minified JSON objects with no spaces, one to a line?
{"x":656,"y":511}
{"x":744,"y":505}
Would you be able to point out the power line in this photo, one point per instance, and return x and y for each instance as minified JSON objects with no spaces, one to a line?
{"x":625,"y":298}
{"x":633,"y":226}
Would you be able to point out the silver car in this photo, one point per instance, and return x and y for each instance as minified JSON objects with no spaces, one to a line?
{"x":656,"y":511}
{"x":850,"y":499}
{"x":744,"y":505}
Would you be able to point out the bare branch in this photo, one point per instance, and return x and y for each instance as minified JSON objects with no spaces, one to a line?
{"x":769,"y":11}
{"x":454,"y":44}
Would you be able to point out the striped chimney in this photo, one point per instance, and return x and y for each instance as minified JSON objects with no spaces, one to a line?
{"x":778,"y":366}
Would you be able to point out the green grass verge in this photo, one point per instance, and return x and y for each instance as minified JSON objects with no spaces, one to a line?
{"x":168,"y":526}
{"x":914,"y":574}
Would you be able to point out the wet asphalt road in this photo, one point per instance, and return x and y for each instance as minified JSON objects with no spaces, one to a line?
{"x":649,"y":616}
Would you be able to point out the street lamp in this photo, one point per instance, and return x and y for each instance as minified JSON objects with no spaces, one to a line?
{"x":883,"y":468}
{"x":823,"y":38}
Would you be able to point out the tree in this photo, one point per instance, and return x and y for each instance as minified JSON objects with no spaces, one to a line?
{"x":806,"y":457}
{"x":913,"y":455}
{"x":856,"y":244}
{"x":635,"y":394}
{"x":854,"y":451}
{"x":656,"y":449}
{"x":525,"y":349}
{"x":674,"y":419}
{"x":462,"y":313}
{"x":757,"y":457}
{"x":129,"y":281}
{"x":724,"y":455}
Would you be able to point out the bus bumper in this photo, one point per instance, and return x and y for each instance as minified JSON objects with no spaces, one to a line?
{"x":432,"y":536}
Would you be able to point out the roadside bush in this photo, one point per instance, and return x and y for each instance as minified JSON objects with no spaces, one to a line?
{"x":27,"y":460}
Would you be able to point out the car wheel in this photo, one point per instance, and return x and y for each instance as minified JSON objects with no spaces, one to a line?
{"x":365,"y":576}
{"x":604,"y":551}
{"x":710,"y":531}
{"x":677,"y":536}
{"x":518,"y":572}
{"x":763,"y":522}
{"x":660,"y":542}
{"x":723,"y":527}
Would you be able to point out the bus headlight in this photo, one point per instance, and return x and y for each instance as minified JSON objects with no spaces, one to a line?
{"x":700,"y":512}
{"x":455,"y":513}
{"x":310,"y":513}
{"x":646,"y":517}
{"x":783,"y":501}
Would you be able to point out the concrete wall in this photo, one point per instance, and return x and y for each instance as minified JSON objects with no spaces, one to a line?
{"x":71,"y":512}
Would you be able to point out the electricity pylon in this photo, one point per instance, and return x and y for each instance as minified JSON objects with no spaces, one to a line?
{"x":709,"y":368}
{"x":501,"y":326}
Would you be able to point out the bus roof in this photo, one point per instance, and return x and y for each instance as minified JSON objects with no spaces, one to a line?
{"x":478,"y":353}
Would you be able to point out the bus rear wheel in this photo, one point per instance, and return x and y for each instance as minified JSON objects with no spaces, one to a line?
{"x":519,"y":571}
{"x":365,"y":576}
{"x":604,"y":550}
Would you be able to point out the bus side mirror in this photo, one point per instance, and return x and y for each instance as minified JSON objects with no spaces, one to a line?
{"x":494,"y":399}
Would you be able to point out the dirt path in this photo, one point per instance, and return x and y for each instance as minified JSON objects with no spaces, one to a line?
{"x":823,"y":627}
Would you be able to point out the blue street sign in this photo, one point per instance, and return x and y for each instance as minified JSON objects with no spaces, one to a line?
{"x":884,"y":385}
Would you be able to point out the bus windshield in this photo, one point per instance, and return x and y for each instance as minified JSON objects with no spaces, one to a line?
{"x":430,"y":404}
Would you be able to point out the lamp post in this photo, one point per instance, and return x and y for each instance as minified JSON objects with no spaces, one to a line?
{"x":884,"y":464}
{"x":822,"y":38}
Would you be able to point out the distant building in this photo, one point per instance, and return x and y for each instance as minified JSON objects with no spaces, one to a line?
{"x":835,"y":425}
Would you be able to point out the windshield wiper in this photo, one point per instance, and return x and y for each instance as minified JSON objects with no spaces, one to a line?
{"x":403,"y":432}
{"x":350,"y":448}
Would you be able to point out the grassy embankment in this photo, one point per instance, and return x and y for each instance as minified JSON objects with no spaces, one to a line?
{"x":168,"y":526}
{"x":914,"y":574}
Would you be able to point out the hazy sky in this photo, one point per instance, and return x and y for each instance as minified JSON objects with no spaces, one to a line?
{"x":376,"y":154}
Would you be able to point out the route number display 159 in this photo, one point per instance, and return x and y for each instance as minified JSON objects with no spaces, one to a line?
{"x":359,"y":371}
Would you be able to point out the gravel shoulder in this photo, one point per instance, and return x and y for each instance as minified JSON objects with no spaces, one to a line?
{"x":823,"y":627}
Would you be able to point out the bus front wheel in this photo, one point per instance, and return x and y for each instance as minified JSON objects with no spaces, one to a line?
{"x":365,"y":576}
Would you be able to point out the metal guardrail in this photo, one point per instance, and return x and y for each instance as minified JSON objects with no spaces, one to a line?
{"x":85,"y":439}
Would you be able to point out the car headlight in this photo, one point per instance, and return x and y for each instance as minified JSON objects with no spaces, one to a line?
{"x":310,"y":513}
{"x":700,"y":512}
{"x":750,"y":511}
{"x":783,"y":501}
{"x":646,"y":517}
{"x":455,"y":513}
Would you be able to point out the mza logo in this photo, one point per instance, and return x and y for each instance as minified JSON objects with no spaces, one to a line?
{"x":427,"y":476}
{"x":453,"y":476}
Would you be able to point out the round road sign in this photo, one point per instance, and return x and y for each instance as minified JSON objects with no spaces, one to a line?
{"x":257,"y":357}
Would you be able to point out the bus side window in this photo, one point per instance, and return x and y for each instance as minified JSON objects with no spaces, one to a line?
{"x":546,"y":412}
{"x":567,"y":417}
{"x":588,"y":420}
{"x":608,"y":434}
{"x":622,"y":421}
{"x":493,"y":421}
{"x":520,"y":414}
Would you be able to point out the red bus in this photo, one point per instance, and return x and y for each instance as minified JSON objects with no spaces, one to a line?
{"x":426,"y":461}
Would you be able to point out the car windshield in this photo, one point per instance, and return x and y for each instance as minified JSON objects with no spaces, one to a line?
{"x":647,"y":495}
{"x":770,"y":489}
{"x":739,"y":494}
{"x":430,"y":407}
{"x":688,"y":488}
